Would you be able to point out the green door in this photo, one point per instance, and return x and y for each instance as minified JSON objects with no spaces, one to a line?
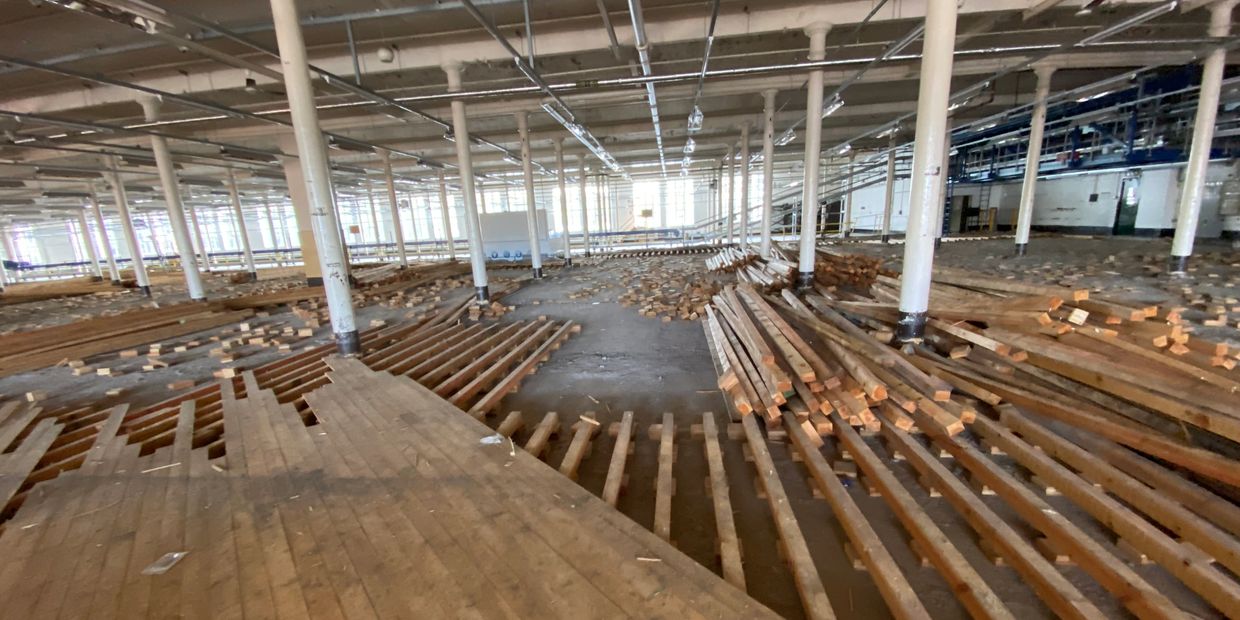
{"x":1126,"y":211}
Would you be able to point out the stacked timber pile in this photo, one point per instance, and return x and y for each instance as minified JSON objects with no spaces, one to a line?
{"x":1085,"y":398}
{"x":769,"y":274}
{"x":667,"y":290}
{"x":680,"y":251}
{"x":837,"y":269}
{"x":768,"y":366}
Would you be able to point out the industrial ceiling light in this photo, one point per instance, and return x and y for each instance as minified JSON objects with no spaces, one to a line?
{"x":786,"y":138}
{"x":386,"y":54}
{"x":695,"y":119}
{"x":890,"y":131}
{"x":832,"y":106}
{"x":690,"y":146}
{"x":842,"y":149}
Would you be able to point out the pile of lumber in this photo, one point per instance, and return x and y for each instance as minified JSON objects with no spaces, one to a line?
{"x":668,"y":289}
{"x":769,"y":274}
{"x":56,"y":289}
{"x":767,"y":365}
{"x":1083,"y":398}
{"x":832,"y":268}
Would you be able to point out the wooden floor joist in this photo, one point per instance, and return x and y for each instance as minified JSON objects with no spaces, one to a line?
{"x":721,"y":501}
{"x":619,"y":456}
{"x":665,"y":483}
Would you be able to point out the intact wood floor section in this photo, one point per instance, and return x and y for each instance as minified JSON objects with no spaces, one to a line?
{"x":396,"y":504}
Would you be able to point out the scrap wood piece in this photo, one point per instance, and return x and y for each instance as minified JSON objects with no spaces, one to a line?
{"x":814,"y":599}
{"x":896,"y":591}
{"x":729,"y":546}
{"x":1052,"y":587}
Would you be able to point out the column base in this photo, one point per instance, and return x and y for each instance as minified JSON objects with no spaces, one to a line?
{"x":146,"y":290}
{"x":349,"y":344}
{"x":538,"y":273}
{"x":314,"y":281}
{"x":805,"y":280}
{"x":911,"y":327}
{"x":1177,"y":265}
{"x":568,"y":262}
{"x":886,"y":238}
{"x":198,"y":299}
{"x":96,"y":278}
{"x":1022,"y":249}
{"x":938,"y":242}
{"x":253,"y":276}
{"x":587,"y":254}
{"x":483,"y":293}
{"x":116,"y":282}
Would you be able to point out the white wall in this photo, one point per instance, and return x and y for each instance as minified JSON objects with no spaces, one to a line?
{"x":505,"y":236}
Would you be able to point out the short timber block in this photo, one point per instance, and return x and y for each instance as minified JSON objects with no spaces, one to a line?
{"x":979,"y":486}
{"x":918,"y":551}
{"x":1052,"y":552}
{"x":857,"y":564}
{"x":992,"y":554}
{"x":928,"y":486}
{"x":1129,"y":553}
{"x":1047,"y":489}
{"x":871,"y":489}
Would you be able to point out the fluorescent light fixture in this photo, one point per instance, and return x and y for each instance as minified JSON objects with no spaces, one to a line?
{"x":786,"y":138}
{"x":842,"y":149}
{"x":690,"y":146}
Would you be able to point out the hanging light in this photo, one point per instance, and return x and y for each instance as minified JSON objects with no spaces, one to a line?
{"x":842,"y":149}
{"x":690,"y":146}
{"x":786,"y":138}
{"x":887,"y":133}
{"x":832,"y":106}
{"x":695,"y":120}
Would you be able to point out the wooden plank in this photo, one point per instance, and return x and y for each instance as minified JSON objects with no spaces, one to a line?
{"x":537,"y":443}
{"x":809,"y":585}
{"x":619,"y":456}
{"x":510,"y":382}
{"x":1136,"y":594}
{"x":511,"y":424}
{"x":1052,"y":587}
{"x":15,"y":466}
{"x":665,"y":483}
{"x":900,"y":597}
{"x":1219,"y":590}
{"x":583,"y":431}
{"x":969,"y":586}
{"x":720,"y":495}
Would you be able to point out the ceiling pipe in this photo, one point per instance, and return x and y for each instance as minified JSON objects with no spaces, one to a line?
{"x":558,"y":109}
{"x":643,"y":56}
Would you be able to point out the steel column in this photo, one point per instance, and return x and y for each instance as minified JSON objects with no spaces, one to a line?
{"x":889,"y":196}
{"x":1037,"y":126}
{"x":731,"y":195}
{"x":531,"y":208}
{"x":473,"y":224}
{"x":246,"y":248}
{"x":813,"y":154}
{"x":131,"y":239}
{"x":89,"y":243}
{"x":744,"y":166}
{"x":562,"y":181}
{"x":172,"y":202}
{"x":312,"y":156}
{"x":1189,"y":211}
{"x":585,"y":214}
{"x":103,"y":236}
{"x":768,"y":168}
{"x":927,"y":187}
{"x":398,"y":233}
{"x":447,"y":217}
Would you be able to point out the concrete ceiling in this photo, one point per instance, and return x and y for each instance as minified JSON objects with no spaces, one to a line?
{"x":572,"y":48}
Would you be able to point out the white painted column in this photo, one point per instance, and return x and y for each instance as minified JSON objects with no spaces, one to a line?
{"x":4,"y":277}
{"x":398,"y":233}
{"x":374,"y":215}
{"x":1037,"y":126}
{"x":731,"y":236}
{"x":846,"y":224}
{"x":88,"y":242}
{"x":131,"y":239}
{"x":1189,"y":211}
{"x":531,"y":208}
{"x":271,"y":231}
{"x":312,"y":156}
{"x":172,"y":202}
{"x":813,"y":154}
{"x":585,"y":214}
{"x":473,"y":225}
{"x":103,"y":236}
{"x":202,"y":247}
{"x":447,"y":217}
{"x":482,"y":197}
{"x":889,"y":196}
{"x":768,"y":168}
{"x":744,"y":166}
{"x":927,"y":182}
{"x":246,"y":248}
{"x":562,"y":182}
